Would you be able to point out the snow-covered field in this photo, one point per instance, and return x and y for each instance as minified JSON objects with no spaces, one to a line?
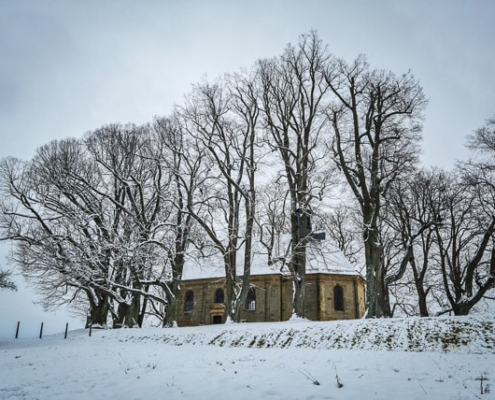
{"x":437,"y":358}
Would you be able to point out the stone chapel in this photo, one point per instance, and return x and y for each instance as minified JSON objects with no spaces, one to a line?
{"x":334,"y":289}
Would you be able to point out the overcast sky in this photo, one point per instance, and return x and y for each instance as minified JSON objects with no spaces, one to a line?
{"x":67,"y":67}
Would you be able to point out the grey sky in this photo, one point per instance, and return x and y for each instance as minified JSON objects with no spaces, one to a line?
{"x":67,"y":67}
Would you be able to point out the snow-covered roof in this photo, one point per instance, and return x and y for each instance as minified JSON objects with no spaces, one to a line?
{"x":323,"y":256}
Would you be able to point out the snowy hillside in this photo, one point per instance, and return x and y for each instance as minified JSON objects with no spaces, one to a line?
{"x":466,"y":335}
{"x":434,"y":358}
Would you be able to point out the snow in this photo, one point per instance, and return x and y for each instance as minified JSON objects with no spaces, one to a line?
{"x":431,"y":358}
{"x":322,"y":257}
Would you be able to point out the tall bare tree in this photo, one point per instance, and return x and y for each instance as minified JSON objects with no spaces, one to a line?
{"x":185,"y":164}
{"x":375,"y":119}
{"x":222,"y":119}
{"x":293,"y":90}
{"x":135,"y":180}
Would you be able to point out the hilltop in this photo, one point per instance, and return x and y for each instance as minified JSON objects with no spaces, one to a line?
{"x":450,"y":334}
{"x":430,"y":358}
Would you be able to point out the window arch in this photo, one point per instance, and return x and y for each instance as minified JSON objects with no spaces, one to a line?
{"x":189,"y":301}
{"x":251,"y":300}
{"x":219,"y":297}
{"x":338,"y":298}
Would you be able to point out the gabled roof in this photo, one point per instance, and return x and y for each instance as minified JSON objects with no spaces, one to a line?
{"x":323,"y":256}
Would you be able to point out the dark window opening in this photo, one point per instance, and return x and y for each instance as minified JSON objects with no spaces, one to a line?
{"x":251,"y":300}
{"x":219,"y":296}
{"x":338,"y":298}
{"x":189,"y":303}
{"x":217,"y":319}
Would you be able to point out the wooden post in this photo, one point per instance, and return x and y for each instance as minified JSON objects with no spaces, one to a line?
{"x":41,"y":330}
{"x":90,"y":329}
{"x":66,"y":329}
{"x":17,"y":330}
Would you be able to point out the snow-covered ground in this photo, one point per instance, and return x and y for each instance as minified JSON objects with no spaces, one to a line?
{"x":434,"y":358}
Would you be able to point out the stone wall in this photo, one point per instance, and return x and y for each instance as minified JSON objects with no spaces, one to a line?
{"x":273,"y":299}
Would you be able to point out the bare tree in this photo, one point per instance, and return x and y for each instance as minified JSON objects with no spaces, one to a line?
{"x":180,"y":157}
{"x":467,"y":239}
{"x":85,"y":215}
{"x":222,"y":119}
{"x":272,"y":219}
{"x":293,"y":90}
{"x":375,"y":119}
{"x":53,"y":225}
{"x":342,"y":226}
{"x":135,"y":179}
{"x":464,"y":241}
{"x":5,"y":282}
{"x":483,"y":140}
{"x":412,"y":210}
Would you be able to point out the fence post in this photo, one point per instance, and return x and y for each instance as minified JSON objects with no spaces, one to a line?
{"x":41,"y":330}
{"x":17,"y":330}
{"x":90,"y":329}
{"x":66,"y":329}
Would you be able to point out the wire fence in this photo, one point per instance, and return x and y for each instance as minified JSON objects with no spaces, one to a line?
{"x":17,"y":331}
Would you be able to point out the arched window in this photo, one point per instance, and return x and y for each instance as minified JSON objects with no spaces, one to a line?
{"x":338,"y":298}
{"x":189,"y":301}
{"x":219,"y":296}
{"x":251,"y":300}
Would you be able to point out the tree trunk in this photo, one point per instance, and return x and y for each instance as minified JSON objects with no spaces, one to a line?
{"x":142,"y":313}
{"x":248,"y":244}
{"x":462,"y":308}
{"x":132,"y":311}
{"x":299,"y":284}
{"x":297,"y":264}
{"x":422,"y":303}
{"x":172,"y":292}
{"x":128,"y":313}
{"x":377,"y":299}
{"x":98,"y":311}
{"x":230,"y":282}
{"x":170,"y":319}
